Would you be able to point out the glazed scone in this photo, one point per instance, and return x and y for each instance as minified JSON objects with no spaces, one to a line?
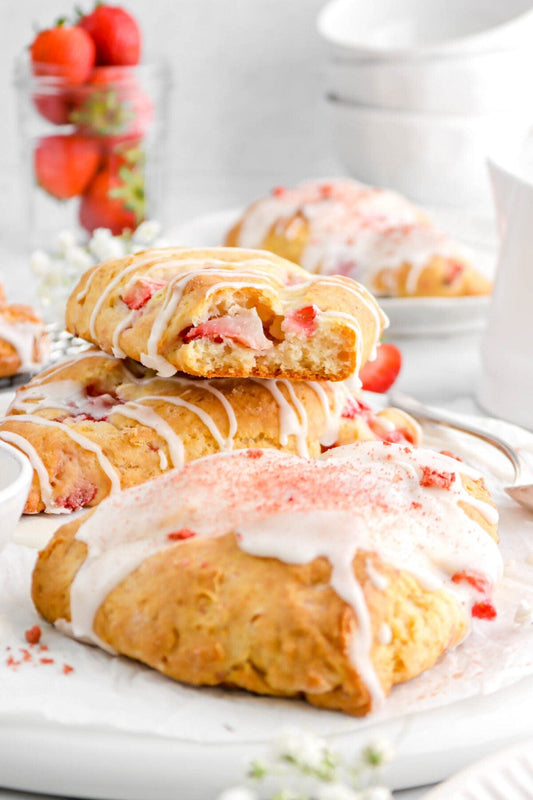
{"x":372,"y":235}
{"x":226,"y":312}
{"x":280,"y":575}
{"x":23,"y":340}
{"x":95,"y":424}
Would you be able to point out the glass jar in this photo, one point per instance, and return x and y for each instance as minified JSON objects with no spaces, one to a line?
{"x":93,"y":154}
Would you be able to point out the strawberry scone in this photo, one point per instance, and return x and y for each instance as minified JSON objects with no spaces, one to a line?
{"x":23,"y":340}
{"x":226,"y":312}
{"x":96,"y":424}
{"x":326,"y":579}
{"x":373,"y":235}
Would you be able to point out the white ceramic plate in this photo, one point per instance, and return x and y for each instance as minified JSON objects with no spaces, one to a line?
{"x":505,"y":775}
{"x":416,"y":316}
{"x":68,"y":741}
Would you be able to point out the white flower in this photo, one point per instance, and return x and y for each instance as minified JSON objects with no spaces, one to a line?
{"x":78,"y":258}
{"x":378,"y":751}
{"x":238,"y":793}
{"x":337,"y":791}
{"x":104,"y":245}
{"x":300,"y":746}
{"x":65,"y":240}
{"x":39,"y":263}
{"x":147,"y":232}
{"x":376,"y":793}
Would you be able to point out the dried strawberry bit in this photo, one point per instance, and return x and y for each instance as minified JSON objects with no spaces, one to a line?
{"x":279,"y":191}
{"x":477,"y":581}
{"x":46,"y":660}
{"x":33,"y":635}
{"x":78,"y":498}
{"x":67,"y":669}
{"x":326,"y":190}
{"x":302,"y":321}
{"x":435,"y":478}
{"x":484,"y":610}
{"x":183,"y":533}
{"x":141,"y":291}
{"x":254,"y":453}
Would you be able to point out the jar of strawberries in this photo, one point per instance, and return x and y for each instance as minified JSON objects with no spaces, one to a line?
{"x":93,"y":127}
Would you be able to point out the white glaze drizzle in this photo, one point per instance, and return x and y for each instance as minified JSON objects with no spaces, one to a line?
{"x":249,"y":273}
{"x":83,"y":441}
{"x":27,"y":338}
{"x":38,"y":467}
{"x":370,"y":499}
{"x":148,"y":417}
{"x":354,"y":230}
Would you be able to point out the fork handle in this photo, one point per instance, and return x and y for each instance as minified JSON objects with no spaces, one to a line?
{"x":440,"y":417}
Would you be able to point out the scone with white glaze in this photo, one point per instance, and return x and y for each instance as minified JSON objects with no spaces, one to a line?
{"x":226,"y":312}
{"x":23,"y":340}
{"x":329,"y":579}
{"x":373,"y":235}
{"x":96,"y":424}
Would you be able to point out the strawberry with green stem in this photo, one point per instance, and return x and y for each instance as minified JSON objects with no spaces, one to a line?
{"x":115,"y":198}
{"x":65,"y":55}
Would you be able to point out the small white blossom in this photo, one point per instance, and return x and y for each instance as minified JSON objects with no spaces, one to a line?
{"x":147,"y":232}
{"x":238,"y":793}
{"x":378,"y":751}
{"x":78,"y":258}
{"x":65,"y":240}
{"x":337,"y":791}
{"x":376,"y":793}
{"x":300,"y":746}
{"x":39,"y":263}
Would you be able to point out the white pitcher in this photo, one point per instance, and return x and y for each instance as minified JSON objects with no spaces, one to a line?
{"x":506,"y":384}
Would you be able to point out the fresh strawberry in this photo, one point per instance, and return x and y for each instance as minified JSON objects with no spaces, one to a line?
{"x":301,"y":321}
{"x":63,"y":51}
{"x":113,"y":106}
{"x":116,"y":35}
{"x":137,"y":295}
{"x":113,"y":200}
{"x":380,"y":374}
{"x":64,"y":165}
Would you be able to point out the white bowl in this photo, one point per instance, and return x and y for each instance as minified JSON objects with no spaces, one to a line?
{"x":15,"y":481}
{"x":435,"y":159}
{"x":474,"y":84}
{"x":415,"y":28}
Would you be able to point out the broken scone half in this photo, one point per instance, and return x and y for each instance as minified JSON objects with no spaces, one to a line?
{"x":226,"y":312}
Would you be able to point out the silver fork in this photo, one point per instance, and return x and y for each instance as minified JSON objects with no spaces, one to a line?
{"x":519,"y":490}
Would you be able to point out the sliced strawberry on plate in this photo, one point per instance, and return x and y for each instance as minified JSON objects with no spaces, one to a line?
{"x":115,"y":33}
{"x":380,"y":374}
{"x":64,"y":165}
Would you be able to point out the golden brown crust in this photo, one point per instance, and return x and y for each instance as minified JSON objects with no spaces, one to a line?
{"x":103,"y":386}
{"x":28,"y":329}
{"x":225,"y":285}
{"x":291,"y":232}
{"x":205,"y":612}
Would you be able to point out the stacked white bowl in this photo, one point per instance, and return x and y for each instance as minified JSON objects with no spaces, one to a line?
{"x":420,"y":91}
